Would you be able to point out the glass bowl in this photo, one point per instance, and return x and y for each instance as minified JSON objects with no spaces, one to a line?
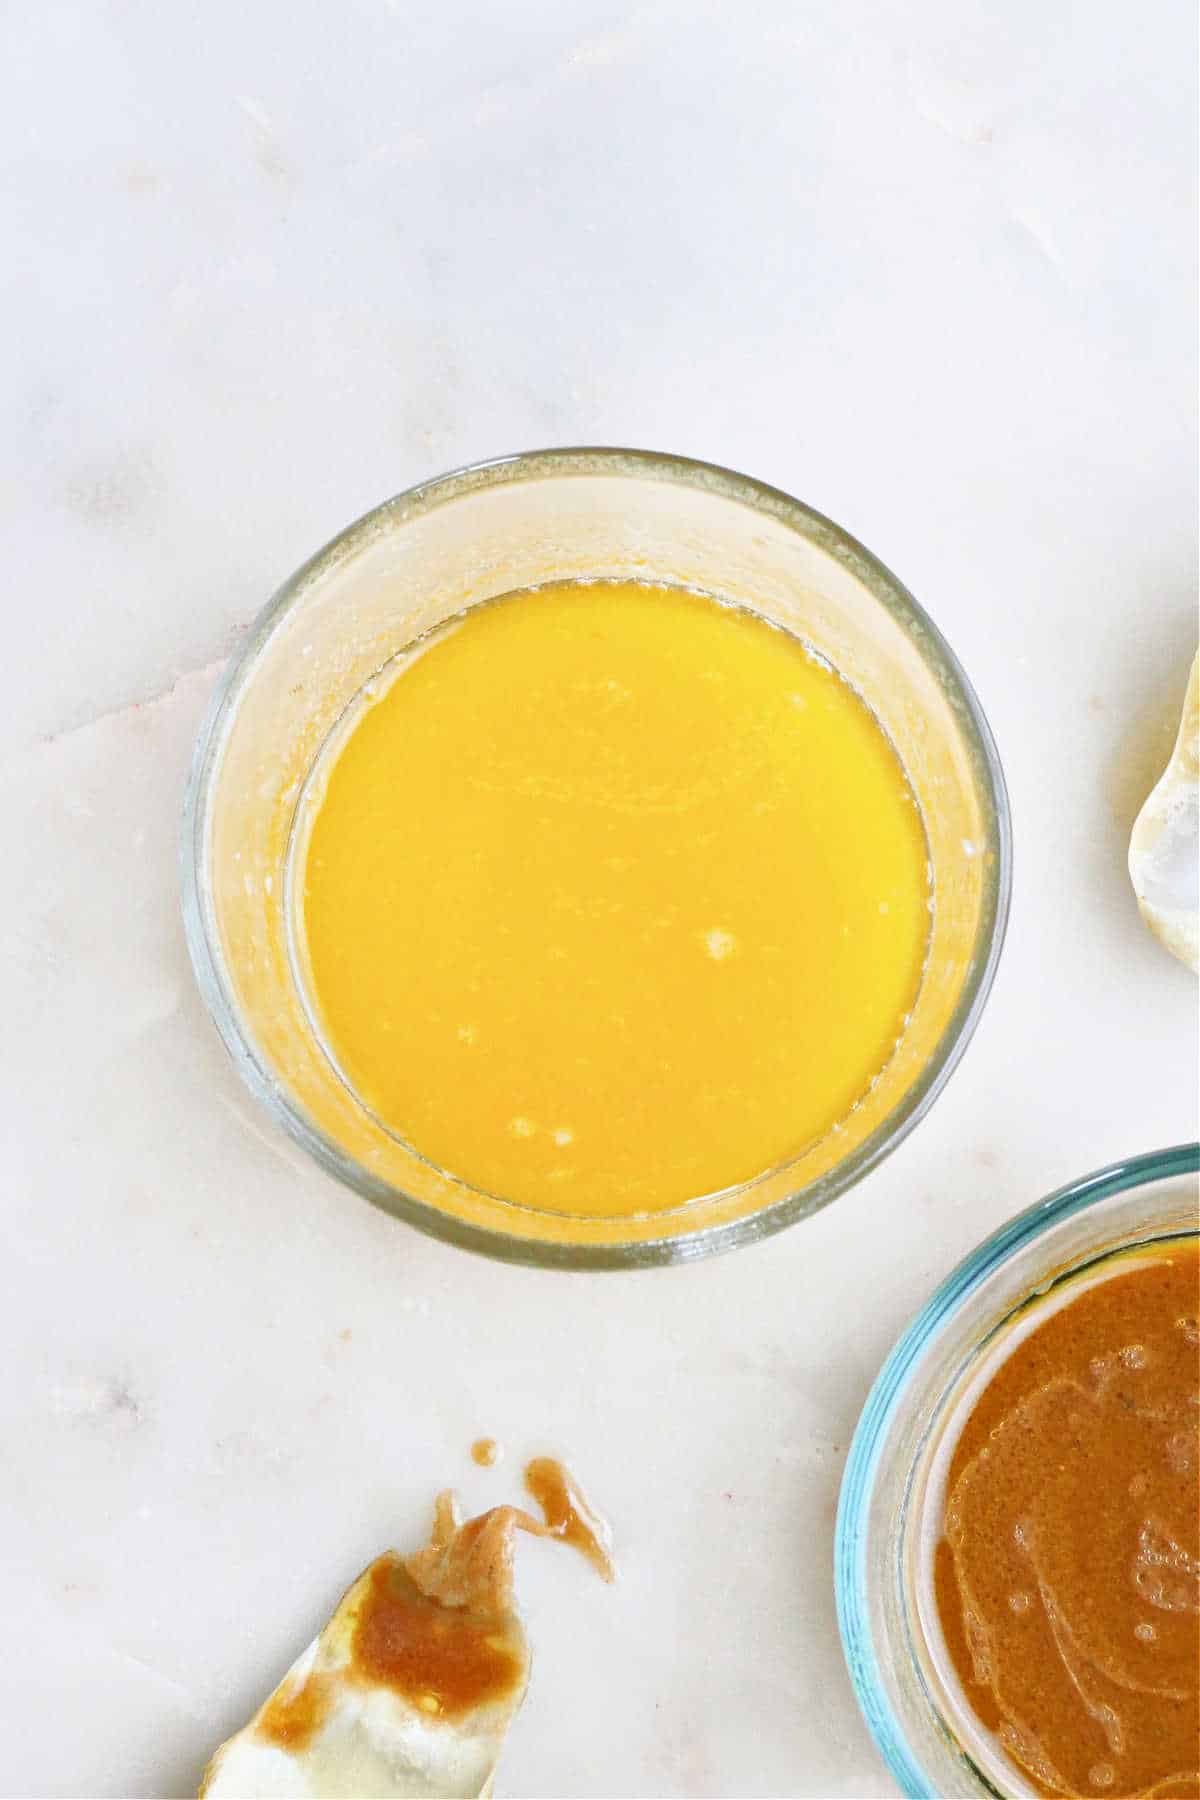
{"x":927,"y":1735}
{"x":468,"y":537}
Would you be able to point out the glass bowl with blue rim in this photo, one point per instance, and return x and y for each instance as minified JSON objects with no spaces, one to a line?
{"x":888,"y":1518}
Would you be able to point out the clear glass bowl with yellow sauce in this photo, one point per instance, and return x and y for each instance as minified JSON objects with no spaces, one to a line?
{"x":889,"y":1515}
{"x":429,"y":559}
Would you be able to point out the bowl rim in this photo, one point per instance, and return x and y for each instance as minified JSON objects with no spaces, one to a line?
{"x":887,"y":1398}
{"x":200,"y":923}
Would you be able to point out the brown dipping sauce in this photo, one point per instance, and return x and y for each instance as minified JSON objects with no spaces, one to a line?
{"x":1067,"y":1578}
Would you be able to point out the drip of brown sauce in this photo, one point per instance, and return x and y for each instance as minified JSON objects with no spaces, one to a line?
{"x":1067,"y":1581}
{"x":438,"y":1627}
{"x":473,"y":1563}
{"x":486,"y":1452}
{"x":567,"y":1514}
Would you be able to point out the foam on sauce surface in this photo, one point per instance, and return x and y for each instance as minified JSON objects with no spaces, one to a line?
{"x":613,"y":897}
{"x":1067,"y":1581}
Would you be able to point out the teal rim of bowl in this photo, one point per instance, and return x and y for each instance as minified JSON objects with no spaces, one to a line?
{"x":886,"y":1398}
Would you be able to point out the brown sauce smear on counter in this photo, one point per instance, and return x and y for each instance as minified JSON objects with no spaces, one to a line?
{"x":567,"y":1514}
{"x":1068,"y":1577}
{"x":439,"y":1627}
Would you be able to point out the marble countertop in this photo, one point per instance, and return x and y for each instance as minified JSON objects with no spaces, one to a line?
{"x":927,"y":266}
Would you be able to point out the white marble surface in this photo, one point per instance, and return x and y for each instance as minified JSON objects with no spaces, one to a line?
{"x":927,"y":266}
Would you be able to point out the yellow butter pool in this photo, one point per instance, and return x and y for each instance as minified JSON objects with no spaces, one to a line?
{"x":611,"y":897}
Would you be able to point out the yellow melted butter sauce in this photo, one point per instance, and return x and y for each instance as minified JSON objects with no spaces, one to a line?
{"x":613,"y":896}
